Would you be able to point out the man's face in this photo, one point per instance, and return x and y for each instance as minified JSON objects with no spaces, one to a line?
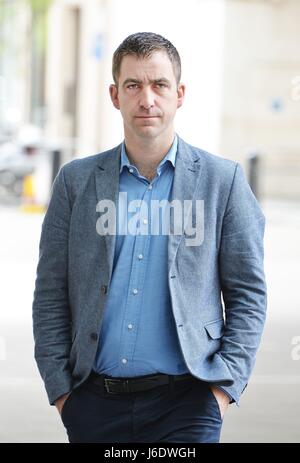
{"x":147,"y":95}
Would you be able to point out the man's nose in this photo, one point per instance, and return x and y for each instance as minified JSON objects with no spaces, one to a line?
{"x":147,"y":98}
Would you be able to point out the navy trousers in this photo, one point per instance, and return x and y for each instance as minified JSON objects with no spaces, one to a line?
{"x":185,"y":411}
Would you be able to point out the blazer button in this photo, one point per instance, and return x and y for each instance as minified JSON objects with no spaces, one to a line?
{"x":94,"y":336}
{"x":103,"y":289}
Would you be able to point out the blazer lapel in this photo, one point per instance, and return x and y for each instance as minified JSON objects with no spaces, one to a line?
{"x":186,"y":179}
{"x":107,"y":177}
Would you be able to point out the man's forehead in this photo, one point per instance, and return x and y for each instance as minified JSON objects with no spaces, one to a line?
{"x":158,"y":60}
{"x":156,"y":67}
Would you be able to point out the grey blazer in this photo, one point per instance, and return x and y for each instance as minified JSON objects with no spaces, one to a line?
{"x":219,"y":339}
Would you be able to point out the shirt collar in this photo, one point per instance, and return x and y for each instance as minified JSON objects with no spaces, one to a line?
{"x":170,"y":156}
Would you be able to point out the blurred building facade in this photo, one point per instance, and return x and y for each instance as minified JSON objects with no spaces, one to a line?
{"x":261,"y":98}
{"x":241,"y":66}
{"x":15,"y":66}
{"x":75,"y":74}
{"x":240,"y":58}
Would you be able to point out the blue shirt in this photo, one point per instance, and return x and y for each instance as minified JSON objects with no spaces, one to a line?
{"x":138,"y":334}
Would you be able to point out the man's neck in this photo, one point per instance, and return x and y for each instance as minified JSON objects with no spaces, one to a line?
{"x":146,"y":154}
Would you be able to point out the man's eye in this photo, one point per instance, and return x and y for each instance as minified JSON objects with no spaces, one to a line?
{"x":161,"y":85}
{"x":132,"y":86}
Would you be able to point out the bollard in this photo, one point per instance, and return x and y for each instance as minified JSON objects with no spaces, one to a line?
{"x":253,"y":173}
{"x":30,"y":203}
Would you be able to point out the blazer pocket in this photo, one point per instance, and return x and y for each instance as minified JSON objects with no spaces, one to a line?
{"x":215,"y":329}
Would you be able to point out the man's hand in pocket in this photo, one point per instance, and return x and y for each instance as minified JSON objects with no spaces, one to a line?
{"x":59,"y":403}
{"x":222,"y":399}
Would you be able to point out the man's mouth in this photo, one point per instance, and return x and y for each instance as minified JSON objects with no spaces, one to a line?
{"x":146,"y":117}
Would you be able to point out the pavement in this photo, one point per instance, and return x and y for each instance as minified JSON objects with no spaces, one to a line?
{"x":269,"y":409}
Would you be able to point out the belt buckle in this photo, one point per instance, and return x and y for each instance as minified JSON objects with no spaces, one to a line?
{"x":123,"y":382}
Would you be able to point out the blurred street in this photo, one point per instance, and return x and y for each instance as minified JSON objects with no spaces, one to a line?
{"x":269,"y":408}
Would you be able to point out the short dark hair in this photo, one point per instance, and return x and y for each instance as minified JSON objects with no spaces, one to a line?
{"x":143,"y":45}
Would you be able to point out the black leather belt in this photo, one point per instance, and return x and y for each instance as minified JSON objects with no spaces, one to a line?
{"x":134,"y":384}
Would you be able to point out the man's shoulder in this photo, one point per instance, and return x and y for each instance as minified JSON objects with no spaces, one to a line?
{"x":87,"y":163}
{"x":214,"y":163}
{"x":77,"y":172}
{"x":212,"y":158}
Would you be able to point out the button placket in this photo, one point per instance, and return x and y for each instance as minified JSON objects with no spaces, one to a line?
{"x":133,"y":305}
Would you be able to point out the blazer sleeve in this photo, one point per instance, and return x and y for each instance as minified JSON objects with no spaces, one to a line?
{"x":243,"y":286}
{"x":50,"y":308}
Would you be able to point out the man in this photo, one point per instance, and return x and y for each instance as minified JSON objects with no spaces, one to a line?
{"x":130,"y":337}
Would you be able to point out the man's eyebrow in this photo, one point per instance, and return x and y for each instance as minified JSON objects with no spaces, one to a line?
{"x":137,"y":81}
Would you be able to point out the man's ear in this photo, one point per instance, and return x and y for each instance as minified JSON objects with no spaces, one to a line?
{"x":113,"y":91}
{"x":180,"y":94}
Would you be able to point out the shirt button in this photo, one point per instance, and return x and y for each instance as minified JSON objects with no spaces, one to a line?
{"x":140,"y":256}
{"x":130,"y":326}
{"x":150,"y":187}
{"x":135,"y":291}
{"x":94,"y":336}
{"x":145,"y":221}
{"x":131,"y":170}
{"x":124,"y":360}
